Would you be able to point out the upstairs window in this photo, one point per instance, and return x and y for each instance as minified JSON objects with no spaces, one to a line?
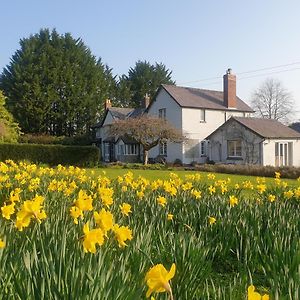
{"x":162,"y":113}
{"x":202,"y":115}
{"x":234,"y":148}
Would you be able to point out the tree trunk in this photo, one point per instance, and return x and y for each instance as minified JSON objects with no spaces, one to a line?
{"x":145,"y":156}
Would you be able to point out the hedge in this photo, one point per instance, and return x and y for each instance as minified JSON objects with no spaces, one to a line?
{"x":51,"y":154}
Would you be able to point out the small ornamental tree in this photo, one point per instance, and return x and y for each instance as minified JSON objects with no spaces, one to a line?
{"x":148,"y":131}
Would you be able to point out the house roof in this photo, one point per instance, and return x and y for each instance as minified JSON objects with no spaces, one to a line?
{"x":266,"y":128}
{"x":199,"y":98}
{"x":121,"y":113}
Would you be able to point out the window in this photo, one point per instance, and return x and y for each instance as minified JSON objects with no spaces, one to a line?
{"x":234,"y":148}
{"x":162,"y":113}
{"x":203,"y":148}
{"x":202,"y":115}
{"x":132,"y":149}
{"x":163,"y":148}
{"x":283,"y":154}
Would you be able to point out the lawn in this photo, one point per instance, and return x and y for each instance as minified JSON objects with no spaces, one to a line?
{"x":165,"y":174}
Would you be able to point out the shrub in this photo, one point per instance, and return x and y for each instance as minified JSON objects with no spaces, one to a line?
{"x":51,"y":154}
{"x":80,"y":140}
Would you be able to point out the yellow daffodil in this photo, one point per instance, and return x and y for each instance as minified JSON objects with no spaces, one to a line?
{"x":104,"y":219}
{"x":8,"y":210}
{"x":197,"y":194}
{"x":2,"y":244}
{"x":122,"y":233}
{"x":125,"y":209}
{"x":157,"y":279}
{"x":233,"y":201}
{"x":212,"y":220}
{"x":271,"y":198}
{"x":211,"y":189}
{"x":91,"y":238}
{"x":170,"y":217}
{"x":161,"y":201}
{"x":84,"y":201}
{"x":76,"y":213}
{"x":253,"y":295}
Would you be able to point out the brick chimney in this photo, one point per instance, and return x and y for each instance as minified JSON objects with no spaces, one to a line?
{"x":229,"y":86}
{"x":146,"y":101}
{"x":107,"y":104}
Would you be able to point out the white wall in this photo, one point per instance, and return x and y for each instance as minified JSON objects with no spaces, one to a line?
{"x":196,"y":129}
{"x":269,"y":151}
{"x":174,"y":116}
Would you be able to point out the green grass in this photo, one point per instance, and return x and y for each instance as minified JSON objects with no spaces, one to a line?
{"x":164,"y":174}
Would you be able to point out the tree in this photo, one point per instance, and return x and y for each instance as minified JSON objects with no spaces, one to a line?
{"x":9,"y":130}
{"x":148,"y":131}
{"x":272,"y":101}
{"x":143,"y":79}
{"x":54,"y":85}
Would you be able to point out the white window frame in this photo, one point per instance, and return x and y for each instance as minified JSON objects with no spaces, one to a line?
{"x":163,"y":149}
{"x":236,"y":144}
{"x":131,"y":149}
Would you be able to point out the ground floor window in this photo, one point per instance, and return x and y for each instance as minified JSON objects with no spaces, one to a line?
{"x":163,"y":148}
{"x":283,"y":154}
{"x":234,"y":148}
{"x":132,"y":149}
{"x":203,"y":148}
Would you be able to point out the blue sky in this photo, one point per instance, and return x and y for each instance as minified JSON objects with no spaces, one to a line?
{"x":196,"y":39}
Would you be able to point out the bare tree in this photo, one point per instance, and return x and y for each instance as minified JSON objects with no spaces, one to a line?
{"x":147,"y":131}
{"x":272,"y":101}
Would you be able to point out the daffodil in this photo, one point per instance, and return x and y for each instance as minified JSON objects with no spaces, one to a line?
{"x":122,"y":233}
{"x":125,"y":209}
{"x":104,"y":219}
{"x":157,"y":279}
{"x":2,"y":244}
{"x":91,"y":238}
{"x":212,"y":220}
{"x":8,"y":210}
{"x":233,"y":201}
{"x":161,"y":201}
{"x":253,"y":295}
{"x":170,"y":217}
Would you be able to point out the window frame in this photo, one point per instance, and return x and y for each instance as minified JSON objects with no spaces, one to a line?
{"x":236,"y":153}
{"x":162,"y":113}
{"x":163,"y":149}
{"x":202,"y":116}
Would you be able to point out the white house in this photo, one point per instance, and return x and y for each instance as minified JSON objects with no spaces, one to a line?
{"x":122,"y":148}
{"x":255,"y":141}
{"x":197,"y":113}
{"x":218,"y":126}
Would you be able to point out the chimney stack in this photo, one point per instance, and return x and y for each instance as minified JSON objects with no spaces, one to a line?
{"x":229,"y":86}
{"x":107,"y":104}
{"x":146,"y":101}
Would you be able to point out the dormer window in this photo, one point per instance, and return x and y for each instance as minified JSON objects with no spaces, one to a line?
{"x":202,"y":115}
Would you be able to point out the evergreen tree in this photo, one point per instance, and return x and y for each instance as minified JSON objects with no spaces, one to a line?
{"x":143,"y":79}
{"x":54,"y":85}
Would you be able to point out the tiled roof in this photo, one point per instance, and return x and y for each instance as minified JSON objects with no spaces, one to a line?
{"x":267,"y":128}
{"x":199,"y":98}
{"x":121,"y":113}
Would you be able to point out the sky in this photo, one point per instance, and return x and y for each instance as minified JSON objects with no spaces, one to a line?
{"x":196,"y":39}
